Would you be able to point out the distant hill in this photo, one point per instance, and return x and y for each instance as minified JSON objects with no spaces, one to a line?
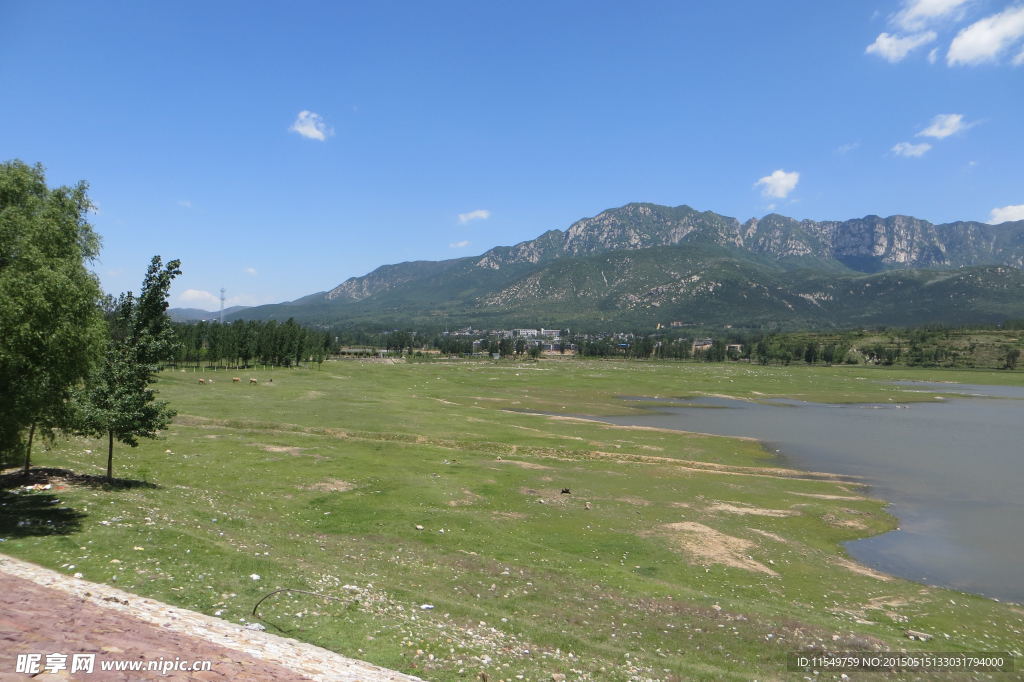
{"x":643,"y":263}
{"x":196,"y":315}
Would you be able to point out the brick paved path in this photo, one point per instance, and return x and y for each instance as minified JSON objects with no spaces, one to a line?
{"x":45,"y":612}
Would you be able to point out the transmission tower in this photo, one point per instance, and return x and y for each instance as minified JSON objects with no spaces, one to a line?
{"x":222,"y":305}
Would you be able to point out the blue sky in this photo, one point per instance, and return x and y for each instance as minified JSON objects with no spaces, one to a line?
{"x":279,"y":148}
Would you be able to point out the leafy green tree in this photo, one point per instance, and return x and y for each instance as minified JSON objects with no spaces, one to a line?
{"x":118,"y":402}
{"x":811,"y":353}
{"x":51,"y":330}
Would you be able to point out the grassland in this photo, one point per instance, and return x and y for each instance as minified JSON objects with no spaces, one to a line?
{"x":393,"y":488}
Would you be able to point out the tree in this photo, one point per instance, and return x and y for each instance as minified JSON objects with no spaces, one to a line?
{"x":118,"y":402}
{"x":811,"y":353}
{"x":51,"y":330}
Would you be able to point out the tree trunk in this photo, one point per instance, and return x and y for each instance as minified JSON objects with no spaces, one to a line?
{"x":28,"y":448}
{"x":110,"y":454}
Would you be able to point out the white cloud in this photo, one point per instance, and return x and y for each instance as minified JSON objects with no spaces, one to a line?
{"x":1006,"y":213}
{"x":914,"y":150}
{"x":480,"y":214}
{"x":311,"y":125}
{"x":847,"y":148}
{"x":459,"y":245}
{"x":779,"y":184}
{"x":251,"y":271}
{"x":184,"y":203}
{"x":985,"y":39}
{"x":933,"y":55}
{"x":1019,"y":59}
{"x":945,"y":125}
{"x":894,"y":48}
{"x":199,"y":297}
{"x":916,"y":14}
{"x":204,"y":300}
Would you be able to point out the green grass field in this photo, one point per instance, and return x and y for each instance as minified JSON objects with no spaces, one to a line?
{"x":395,"y":487}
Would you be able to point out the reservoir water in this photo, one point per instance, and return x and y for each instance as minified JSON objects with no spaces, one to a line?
{"x":953,"y":472}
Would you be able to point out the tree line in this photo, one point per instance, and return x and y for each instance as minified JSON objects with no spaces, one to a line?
{"x":994,"y":346}
{"x":71,"y":359}
{"x":244,"y":343}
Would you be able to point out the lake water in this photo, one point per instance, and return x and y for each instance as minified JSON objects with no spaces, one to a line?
{"x":952,"y":471}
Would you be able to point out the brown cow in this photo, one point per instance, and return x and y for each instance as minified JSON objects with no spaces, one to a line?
{"x":202,"y":381}
{"x":235,"y":379}
{"x":252,"y":380}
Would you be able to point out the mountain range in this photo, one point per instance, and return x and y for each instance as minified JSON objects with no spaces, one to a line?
{"x":198,"y":315}
{"x":643,"y":264}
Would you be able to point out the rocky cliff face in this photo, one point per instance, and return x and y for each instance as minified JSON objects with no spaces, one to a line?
{"x":893,"y":242}
{"x":868,"y":244}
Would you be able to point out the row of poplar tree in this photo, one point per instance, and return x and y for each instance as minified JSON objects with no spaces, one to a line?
{"x":72,"y":359}
{"x":242,"y":343}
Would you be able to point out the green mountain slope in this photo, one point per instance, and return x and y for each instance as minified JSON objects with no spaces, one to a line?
{"x":642,"y":264}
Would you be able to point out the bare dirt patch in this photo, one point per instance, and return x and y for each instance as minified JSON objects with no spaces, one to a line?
{"x":707,"y":545}
{"x":820,"y":496}
{"x":745,"y":509}
{"x":523,"y":465}
{"x":547,"y":495}
{"x":861,"y":569}
{"x":706,"y":467}
{"x":330,"y":485}
{"x":837,"y":521}
{"x":886,"y":602}
{"x":509,"y":515}
{"x":292,"y":450}
{"x":468,"y":498}
{"x":769,"y":534}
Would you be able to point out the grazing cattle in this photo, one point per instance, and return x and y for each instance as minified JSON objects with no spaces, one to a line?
{"x":565,"y":491}
{"x":202,"y":381}
{"x":235,"y":379}
{"x":252,"y":380}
